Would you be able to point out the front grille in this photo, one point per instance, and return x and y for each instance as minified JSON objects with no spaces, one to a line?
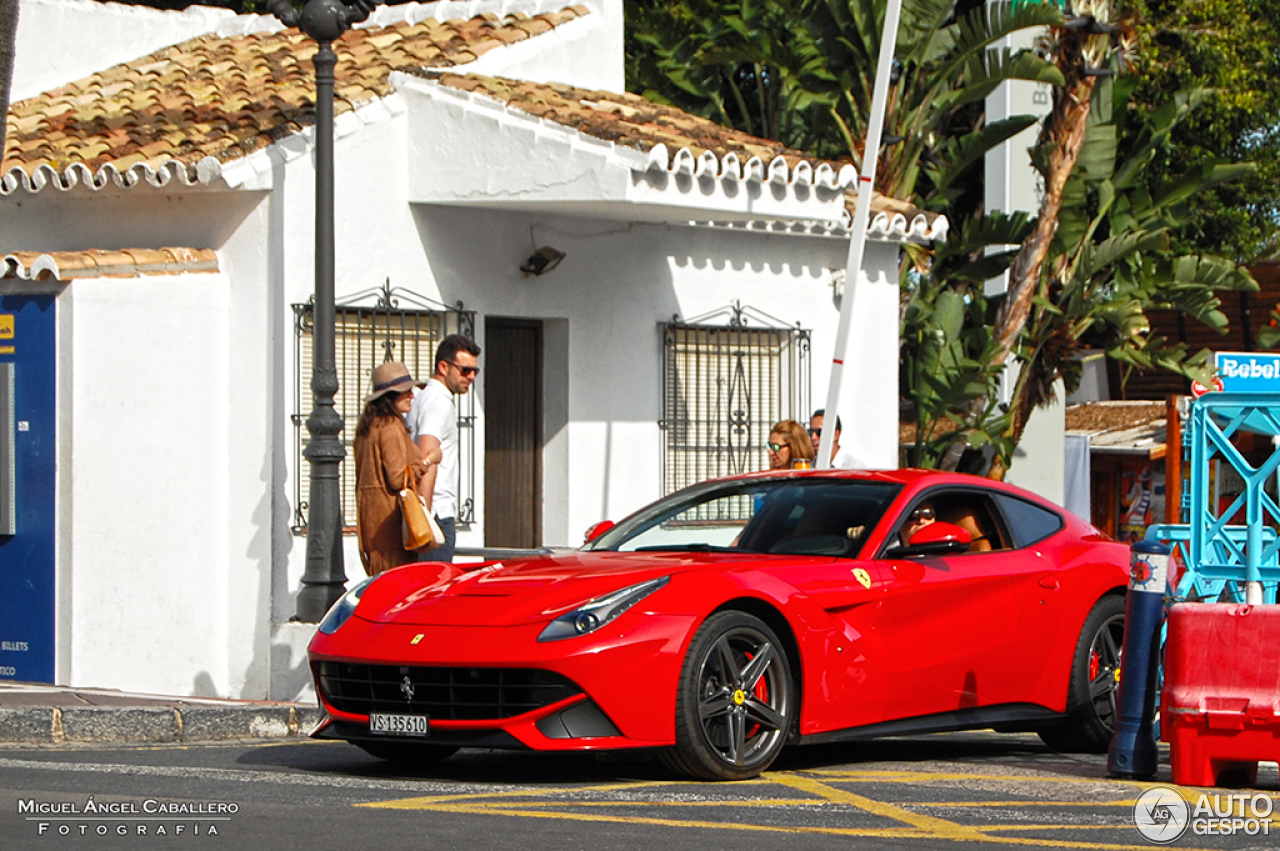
{"x":446,"y":694}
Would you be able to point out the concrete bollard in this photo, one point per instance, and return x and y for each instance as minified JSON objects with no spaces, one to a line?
{"x":1133,"y":752}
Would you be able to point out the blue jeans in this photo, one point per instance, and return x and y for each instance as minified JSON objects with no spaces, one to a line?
{"x":444,"y":552}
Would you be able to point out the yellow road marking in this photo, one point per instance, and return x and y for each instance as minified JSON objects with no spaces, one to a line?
{"x":513,"y":810}
{"x":934,"y":826}
{"x":818,"y":785}
{"x":432,"y":800}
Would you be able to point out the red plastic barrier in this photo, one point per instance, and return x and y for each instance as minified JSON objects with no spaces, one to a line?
{"x":1220,"y":708}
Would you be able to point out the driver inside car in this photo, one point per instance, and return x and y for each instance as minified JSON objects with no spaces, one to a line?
{"x":921,"y":516}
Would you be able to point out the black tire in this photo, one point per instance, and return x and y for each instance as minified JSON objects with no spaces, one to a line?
{"x":735,"y":701}
{"x":406,"y":753}
{"x":1095,"y":671}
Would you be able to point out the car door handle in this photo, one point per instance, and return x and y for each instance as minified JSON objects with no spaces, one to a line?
{"x":1050,"y":583}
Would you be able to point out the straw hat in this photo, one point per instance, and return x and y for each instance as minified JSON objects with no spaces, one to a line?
{"x":391,"y":377}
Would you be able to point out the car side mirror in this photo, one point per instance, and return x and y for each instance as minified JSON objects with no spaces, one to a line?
{"x":595,"y":530}
{"x":936,"y":539}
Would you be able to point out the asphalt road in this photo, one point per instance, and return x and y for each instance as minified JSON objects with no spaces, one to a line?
{"x":966,"y":791}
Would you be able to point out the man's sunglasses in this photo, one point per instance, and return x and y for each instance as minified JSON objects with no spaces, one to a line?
{"x":467,"y":371}
{"x":922,"y":514}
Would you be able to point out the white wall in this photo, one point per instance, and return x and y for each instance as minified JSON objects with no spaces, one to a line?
{"x":1039,"y":462}
{"x":143,"y":556}
{"x":64,"y":40}
{"x":586,"y":52}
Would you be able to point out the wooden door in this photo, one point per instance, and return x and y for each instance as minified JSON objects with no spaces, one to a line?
{"x":512,"y":362}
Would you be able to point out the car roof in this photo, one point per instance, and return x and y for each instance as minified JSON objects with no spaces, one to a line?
{"x":913,"y":479}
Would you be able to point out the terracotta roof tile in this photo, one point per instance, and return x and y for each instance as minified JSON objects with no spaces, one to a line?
{"x":623,"y":118}
{"x":1100,"y":417}
{"x":68,"y":265}
{"x":223,"y":97}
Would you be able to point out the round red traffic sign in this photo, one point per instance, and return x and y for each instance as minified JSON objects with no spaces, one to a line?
{"x":1198,"y":389}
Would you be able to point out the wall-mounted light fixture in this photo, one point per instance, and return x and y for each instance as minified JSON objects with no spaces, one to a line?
{"x":542,"y":261}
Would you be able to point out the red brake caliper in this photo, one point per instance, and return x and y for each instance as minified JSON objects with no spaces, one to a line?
{"x":761,"y":691}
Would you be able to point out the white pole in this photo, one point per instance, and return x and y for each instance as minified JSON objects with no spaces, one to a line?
{"x":861,"y":215}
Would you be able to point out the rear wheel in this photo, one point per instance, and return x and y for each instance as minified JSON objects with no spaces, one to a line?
{"x":1095,"y":678}
{"x":735,"y":701}
{"x":406,"y":753}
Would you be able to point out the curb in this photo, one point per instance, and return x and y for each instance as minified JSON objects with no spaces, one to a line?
{"x":55,"y":725}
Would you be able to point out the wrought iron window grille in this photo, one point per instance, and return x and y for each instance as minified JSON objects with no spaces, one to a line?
{"x":373,"y":326}
{"x":727,"y":377}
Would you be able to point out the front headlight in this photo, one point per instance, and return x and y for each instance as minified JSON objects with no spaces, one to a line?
{"x":343,"y":609}
{"x":591,"y":616}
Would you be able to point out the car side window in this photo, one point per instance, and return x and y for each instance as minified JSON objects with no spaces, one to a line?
{"x":974,"y":513}
{"x":1029,"y":522}
{"x":968,"y":509}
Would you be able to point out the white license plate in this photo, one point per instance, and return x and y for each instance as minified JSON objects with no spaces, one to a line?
{"x":399,"y":725}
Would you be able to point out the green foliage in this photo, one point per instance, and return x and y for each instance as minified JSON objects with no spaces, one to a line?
{"x":946,"y":368}
{"x":802,"y":72}
{"x":1113,"y":258}
{"x":1228,"y":48}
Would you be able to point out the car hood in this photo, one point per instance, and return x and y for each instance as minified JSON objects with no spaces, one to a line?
{"x":519,"y":591}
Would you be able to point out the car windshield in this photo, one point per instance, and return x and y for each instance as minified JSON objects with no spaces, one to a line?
{"x":793,"y":515}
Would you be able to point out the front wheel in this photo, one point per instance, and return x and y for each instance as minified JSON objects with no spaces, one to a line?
{"x":735,"y":701}
{"x":1095,"y":679}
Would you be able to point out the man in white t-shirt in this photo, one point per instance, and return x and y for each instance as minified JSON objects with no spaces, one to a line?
{"x":433,"y":422}
{"x":841,"y":459}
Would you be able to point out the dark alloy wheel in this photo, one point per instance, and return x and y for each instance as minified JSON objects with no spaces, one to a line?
{"x":406,"y":753}
{"x":735,"y":702}
{"x":1095,"y":678}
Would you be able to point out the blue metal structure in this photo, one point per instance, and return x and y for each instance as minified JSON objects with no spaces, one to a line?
{"x":1219,"y":558}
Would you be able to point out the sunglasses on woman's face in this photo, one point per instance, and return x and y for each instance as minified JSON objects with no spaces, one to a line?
{"x":777,"y":447}
{"x":922,"y":514}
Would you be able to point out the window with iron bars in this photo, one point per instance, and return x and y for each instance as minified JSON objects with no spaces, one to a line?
{"x":724,"y":387}
{"x":365,"y":336}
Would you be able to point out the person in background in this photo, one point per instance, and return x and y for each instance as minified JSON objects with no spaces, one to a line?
{"x":383,"y":451}
{"x":841,"y":459}
{"x":789,"y":447}
{"x":433,"y":422}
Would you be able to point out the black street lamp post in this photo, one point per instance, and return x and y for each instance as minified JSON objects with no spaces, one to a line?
{"x":324,"y":578}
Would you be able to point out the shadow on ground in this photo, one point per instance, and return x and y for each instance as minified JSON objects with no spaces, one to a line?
{"x":524,"y":767}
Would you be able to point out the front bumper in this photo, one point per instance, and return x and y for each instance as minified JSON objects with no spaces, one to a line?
{"x":614,"y":690}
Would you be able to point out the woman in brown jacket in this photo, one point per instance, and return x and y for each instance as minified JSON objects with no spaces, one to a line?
{"x":383,"y":451}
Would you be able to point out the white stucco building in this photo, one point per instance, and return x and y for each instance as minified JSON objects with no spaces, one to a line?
{"x":156,"y":229}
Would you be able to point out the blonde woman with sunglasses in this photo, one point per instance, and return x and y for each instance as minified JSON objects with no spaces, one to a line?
{"x":789,"y":447}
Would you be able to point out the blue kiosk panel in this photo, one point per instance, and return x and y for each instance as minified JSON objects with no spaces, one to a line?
{"x":28,"y":444}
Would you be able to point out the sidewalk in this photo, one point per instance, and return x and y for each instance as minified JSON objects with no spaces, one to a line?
{"x":32,"y":713}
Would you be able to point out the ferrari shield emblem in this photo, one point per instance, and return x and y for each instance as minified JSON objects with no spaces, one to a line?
{"x":862,"y":576}
{"x":417,"y":638}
